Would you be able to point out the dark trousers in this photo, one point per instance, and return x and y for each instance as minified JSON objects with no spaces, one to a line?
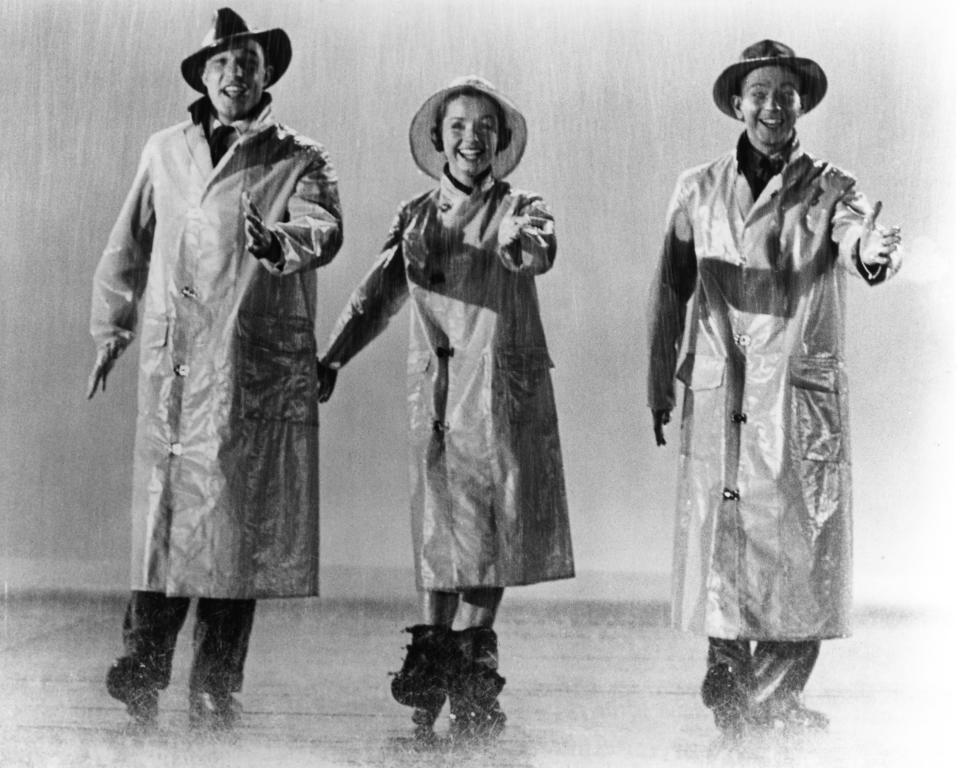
{"x":221,"y":637}
{"x":772,"y":672}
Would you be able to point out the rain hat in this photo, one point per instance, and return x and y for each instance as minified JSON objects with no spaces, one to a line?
{"x":425,"y":154}
{"x":228,"y":27}
{"x":813,"y":81}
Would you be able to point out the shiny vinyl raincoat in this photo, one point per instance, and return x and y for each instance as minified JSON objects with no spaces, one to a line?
{"x":225,"y":486}
{"x":763,"y":533}
{"x":488,"y":501}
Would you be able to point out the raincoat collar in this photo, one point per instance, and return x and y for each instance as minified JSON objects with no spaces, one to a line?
{"x":462,"y":187}
{"x":452,"y":188}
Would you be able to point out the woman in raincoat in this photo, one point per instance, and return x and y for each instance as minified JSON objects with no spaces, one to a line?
{"x":218,"y":242}
{"x":762,"y":240}
{"x":488,"y":502}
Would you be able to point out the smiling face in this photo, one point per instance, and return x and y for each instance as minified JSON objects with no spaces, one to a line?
{"x":235,"y":78}
{"x":469,"y":133}
{"x":769,"y":105}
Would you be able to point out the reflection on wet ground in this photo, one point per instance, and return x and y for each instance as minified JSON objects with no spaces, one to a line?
{"x":588,"y":684}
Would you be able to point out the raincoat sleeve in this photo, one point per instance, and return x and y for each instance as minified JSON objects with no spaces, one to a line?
{"x":121,"y":275}
{"x":312,"y":231}
{"x":850,"y":211}
{"x":380,"y":295}
{"x":531,"y":252}
{"x":672,"y":288}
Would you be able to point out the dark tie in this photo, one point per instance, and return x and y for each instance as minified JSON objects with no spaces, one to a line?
{"x":220,"y":141}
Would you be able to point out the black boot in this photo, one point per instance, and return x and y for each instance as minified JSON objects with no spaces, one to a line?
{"x":130,"y":681}
{"x":723,"y":692}
{"x":422,"y":681}
{"x":474,"y":710}
{"x":782,"y":669}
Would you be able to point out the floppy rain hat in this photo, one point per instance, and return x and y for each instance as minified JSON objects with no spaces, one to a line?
{"x":813,"y":81}
{"x":228,"y":27}
{"x":431,"y":162}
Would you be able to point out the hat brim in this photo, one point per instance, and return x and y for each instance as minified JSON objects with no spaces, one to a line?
{"x":276,"y":50}
{"x":813,"y":80}
{"x":431,"y":162}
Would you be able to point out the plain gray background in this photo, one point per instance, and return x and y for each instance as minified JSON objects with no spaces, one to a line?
{"x":618,"y":100}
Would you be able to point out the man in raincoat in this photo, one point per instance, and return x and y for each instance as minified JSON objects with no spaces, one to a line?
{"x":488,"y":503}
{"x":762,"y":240}
{"x":228,"y":218}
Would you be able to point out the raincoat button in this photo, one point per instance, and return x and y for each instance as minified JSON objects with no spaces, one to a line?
{"x":439,"y":427}
{"x":176,"y":449}
{"x":188,"y":292}
{"x":738,"y":418}
{"x":182,"y":369}
{"x":444,"y":207}
{"x":731,"y":495}
{"x":743,"y":340}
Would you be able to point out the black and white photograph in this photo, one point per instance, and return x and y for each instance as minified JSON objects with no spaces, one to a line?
{"x":497,"y":384}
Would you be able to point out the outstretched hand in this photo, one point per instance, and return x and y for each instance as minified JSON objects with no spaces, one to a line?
{"x":661,"y":417}
{"x":879,"y":245}
{"x":106,"y":357}
{"x":326,"y":381}
{"x":512,"y":225}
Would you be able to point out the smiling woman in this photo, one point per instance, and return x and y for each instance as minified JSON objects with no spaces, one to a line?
{"x":469,"y":132}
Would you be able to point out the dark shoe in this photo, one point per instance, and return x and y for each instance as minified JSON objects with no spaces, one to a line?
{"x":789,"y":712}
{"x":213,"y":711}
{"x":475,"y":685}
{"x":423,"y":720}
{"x":722,"y":693}
{"x":129,"y":681}
{"x":476,"y":723}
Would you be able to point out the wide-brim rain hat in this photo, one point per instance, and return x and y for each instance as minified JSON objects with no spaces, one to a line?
{"x":425,"y":154}
{"x":813,"y":81}
{"x":228,"y":28}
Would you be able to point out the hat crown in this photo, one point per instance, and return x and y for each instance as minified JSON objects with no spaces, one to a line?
{"x":767,"y":49}
{"x":226,"y":23}
{"x":471,"y":81}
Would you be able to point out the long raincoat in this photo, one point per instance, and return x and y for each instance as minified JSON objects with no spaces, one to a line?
{"x":763,"y":532}
{"x":488,"y":501}
{"x":225,"y":486}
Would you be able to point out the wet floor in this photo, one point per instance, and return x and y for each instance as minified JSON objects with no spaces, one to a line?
{"x":588,"y":684}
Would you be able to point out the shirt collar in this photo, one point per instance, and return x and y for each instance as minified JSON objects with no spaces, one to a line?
{"x":758,"y":168}
{"x":202,"y":114}
{"x":749,"y":158}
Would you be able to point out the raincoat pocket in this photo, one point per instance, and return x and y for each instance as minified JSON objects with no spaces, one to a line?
{"x":154,"y":383}
{"x":419,"y":390}
{"x":702,"y":371}
{"x":703,"y":376}
{"x":816,"y":384}
{"x":518,"y":383}
{"x":277,"y":368}
{"x":155,"y":330}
